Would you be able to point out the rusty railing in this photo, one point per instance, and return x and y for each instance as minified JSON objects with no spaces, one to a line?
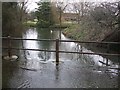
{"x":57,"y":51}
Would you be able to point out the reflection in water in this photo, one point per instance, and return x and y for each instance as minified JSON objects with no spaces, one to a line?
{"x":44,"y":34}
{"x":75,"y":71}
{"x":57,"y":72}
{"x":33,"y":57}
{"x":30,"y":44}
{"x":65,"y":46}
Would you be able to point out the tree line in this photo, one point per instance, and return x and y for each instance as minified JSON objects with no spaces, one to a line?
{"x":90,"y":15}
{"x":104,"y":13}
{"x":13,"y":16}
{"x":96,"y":20}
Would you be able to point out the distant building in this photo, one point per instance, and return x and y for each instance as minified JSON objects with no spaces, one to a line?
{"x":70,"y":16}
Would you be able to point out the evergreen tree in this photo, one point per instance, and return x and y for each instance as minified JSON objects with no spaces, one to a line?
{"x":44,"y":14}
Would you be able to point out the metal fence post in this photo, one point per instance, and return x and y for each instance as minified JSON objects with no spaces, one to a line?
{"x":57,"y":51}
{"x":9,"y":43}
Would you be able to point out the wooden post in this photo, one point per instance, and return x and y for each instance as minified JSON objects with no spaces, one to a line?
{"x":80,"y":48}
{"x":81,"y":51}
{"x":119,"y":74}
{"x":45,"y":54}
{"x":106,"y":61}
{"x":108,"y":47}
{"x":57,"y":51}
{"x":60,"y":34}
{"x":9,"y":43}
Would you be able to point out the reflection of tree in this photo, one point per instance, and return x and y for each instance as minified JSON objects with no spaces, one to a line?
{"x":44,"y":34}
{"x":46,"y":45}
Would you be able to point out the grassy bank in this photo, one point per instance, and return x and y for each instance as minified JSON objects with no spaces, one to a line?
{"x":75,"y":31}
{"x":85,"y":32}
{"x":72,"y":31}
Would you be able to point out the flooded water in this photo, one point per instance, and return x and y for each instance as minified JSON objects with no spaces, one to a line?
{"x":37,"y":69}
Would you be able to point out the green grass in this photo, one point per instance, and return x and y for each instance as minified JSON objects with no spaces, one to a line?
{"x":30,"y":23}
{"x":72,"y":31}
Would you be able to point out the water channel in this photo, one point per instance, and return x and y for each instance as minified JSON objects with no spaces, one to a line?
{"x":37,"y":69}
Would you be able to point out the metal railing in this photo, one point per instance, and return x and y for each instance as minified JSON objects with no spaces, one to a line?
{"x":57,"y":51}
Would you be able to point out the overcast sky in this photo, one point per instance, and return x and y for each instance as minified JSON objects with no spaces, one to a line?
{"x":32,"y":3}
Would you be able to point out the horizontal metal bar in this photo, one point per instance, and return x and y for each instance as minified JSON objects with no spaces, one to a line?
{"x":31,"y":49}
{"x":29,"y":39}
{"x":106,"y":54}
{"x":76,"y":41}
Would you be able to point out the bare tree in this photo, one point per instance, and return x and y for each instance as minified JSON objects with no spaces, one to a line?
{"x":23,"y":9}
{"x":81,"y":8}
{"x":110,"y":11}
{"x":61,"y":6}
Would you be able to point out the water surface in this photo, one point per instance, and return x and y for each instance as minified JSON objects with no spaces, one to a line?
{"x":37,"y":69}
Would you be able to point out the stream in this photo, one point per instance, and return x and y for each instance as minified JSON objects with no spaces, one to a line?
{"x":37,"y":69}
